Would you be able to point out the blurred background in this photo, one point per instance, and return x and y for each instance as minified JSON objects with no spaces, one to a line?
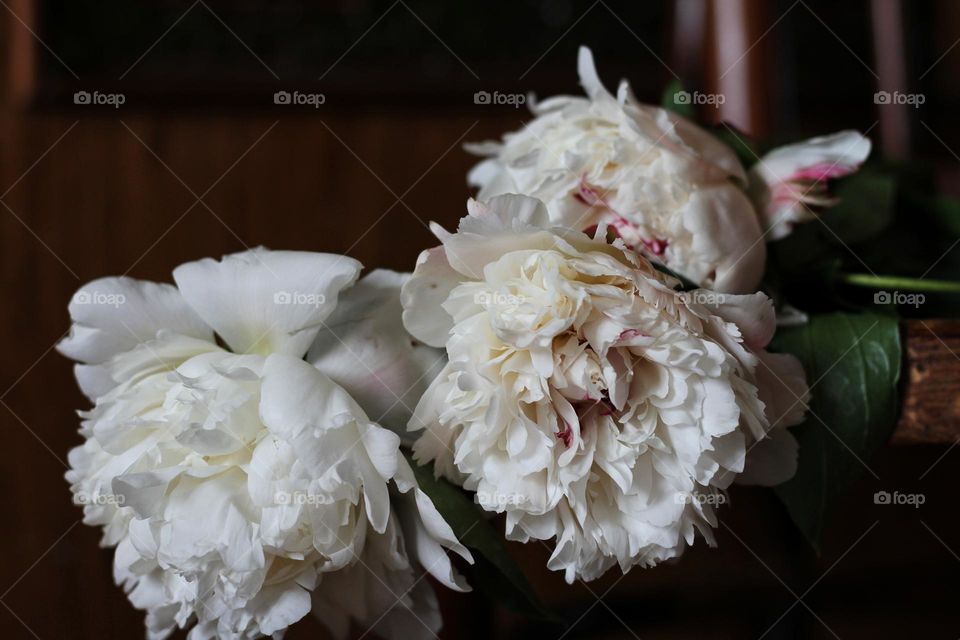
{"x":137,"y":136}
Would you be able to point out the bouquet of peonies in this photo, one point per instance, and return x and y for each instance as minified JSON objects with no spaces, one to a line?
{"x":590,"y":354}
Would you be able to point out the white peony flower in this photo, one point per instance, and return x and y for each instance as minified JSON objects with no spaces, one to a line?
{"x":667,"y":188}
{"x":365,"y":349}
{"x":587,"y":399}
{"x":790,"y":182}
{"x":240,"y":485}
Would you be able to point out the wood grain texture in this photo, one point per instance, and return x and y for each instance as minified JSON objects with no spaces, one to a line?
{"x":930,"y":383}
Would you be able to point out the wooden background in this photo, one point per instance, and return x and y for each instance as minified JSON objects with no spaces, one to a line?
{"x":85,"y":196}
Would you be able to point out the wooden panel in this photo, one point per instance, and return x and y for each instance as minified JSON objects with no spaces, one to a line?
{"x":931,"y":383}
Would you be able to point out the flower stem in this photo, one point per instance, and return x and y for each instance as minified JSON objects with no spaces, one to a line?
{"x":899,"y":283}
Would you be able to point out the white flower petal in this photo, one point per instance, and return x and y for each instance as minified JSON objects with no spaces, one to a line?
{"x":365,"y":349}
{"x":297,"y":396}
{"x":266,"y":301}
{"x":431,"y":283}
{"x":789,"y":183}
{"x":753,"y":314}
{"x":112,"y":315}
{"x":590,"y":402}
{"x":279,"y":606}
{"x":665,"y":187}
{"x":233,"y":484}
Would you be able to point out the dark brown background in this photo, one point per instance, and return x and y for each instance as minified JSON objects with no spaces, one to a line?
{"x":88,"y":194}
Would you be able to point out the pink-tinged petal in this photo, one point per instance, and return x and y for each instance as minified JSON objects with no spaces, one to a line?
{"x":789,"y":184}
{"x":822,"y":171}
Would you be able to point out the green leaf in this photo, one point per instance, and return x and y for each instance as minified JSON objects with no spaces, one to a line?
{"x":685,"y":283}
{"x":853,"y":363}
{"x":943,"y":212}
{"x":494,"y":573}
{"x":677,"y":99}
{"x":866,"y":205}
{"x":739,"y":142}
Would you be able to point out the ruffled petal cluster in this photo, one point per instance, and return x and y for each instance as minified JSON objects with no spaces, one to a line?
{"x":584,"y":396}
{"x":667,"y":188}
{"x":241,"y":485}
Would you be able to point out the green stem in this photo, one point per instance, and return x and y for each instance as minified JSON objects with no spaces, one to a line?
{"x":899,"y":283}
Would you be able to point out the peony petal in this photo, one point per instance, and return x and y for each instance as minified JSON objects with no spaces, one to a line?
{"x":504,"y":213}
{"x":295,"y":395}
{"x":753,"y":314}
{"x":112,"y":315}
{"x":277,"y":607}
{"x":589,"y":79}
{"x":728,"y":250}
{"x":263,"y":301}
{"x":782,"y":386}
{"x":438,"y":528}
{"x":789,"y":180}
{"x":770,"y":461}
{"x":431,"y":537}
{"x":423,"y":294}
{"x":844,"y":151}
{"x":297,"y":399}
{"x":365,"y":349}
